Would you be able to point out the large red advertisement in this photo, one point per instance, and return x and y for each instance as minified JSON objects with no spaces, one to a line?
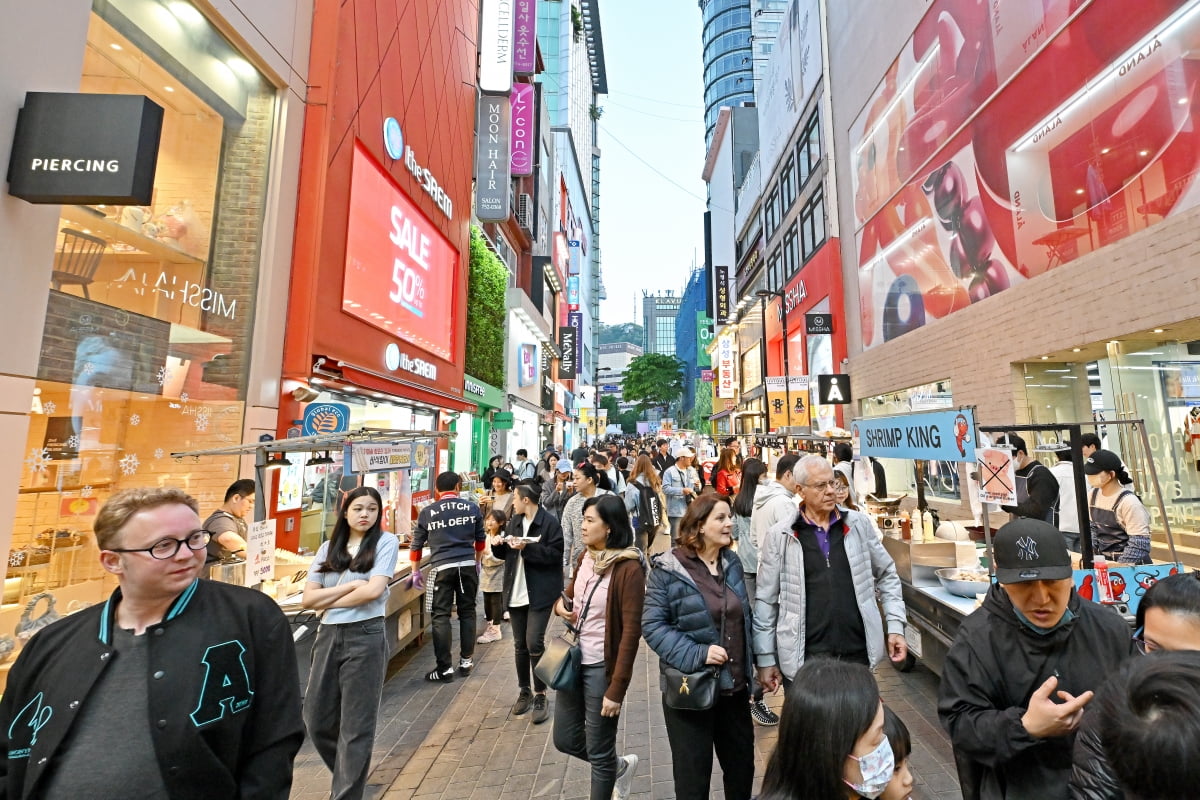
{"x":1013,"y":136}
{"x":400,"y":270}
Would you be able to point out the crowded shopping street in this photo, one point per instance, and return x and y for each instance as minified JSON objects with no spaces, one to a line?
{"x":605,"y":399}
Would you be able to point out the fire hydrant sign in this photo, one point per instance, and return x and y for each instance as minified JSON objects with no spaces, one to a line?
{"x":260,"y":552}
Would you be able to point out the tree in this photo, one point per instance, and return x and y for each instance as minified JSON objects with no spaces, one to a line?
{"x":486,"y":286}
{"x":653,"y":379}
{"x":624,"y":332}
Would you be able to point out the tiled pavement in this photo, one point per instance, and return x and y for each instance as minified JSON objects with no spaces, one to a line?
{"x":456,"y":741}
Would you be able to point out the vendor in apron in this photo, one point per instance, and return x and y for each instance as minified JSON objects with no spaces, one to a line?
{"x":1120,"y":523}
{"x":1036,"y":486}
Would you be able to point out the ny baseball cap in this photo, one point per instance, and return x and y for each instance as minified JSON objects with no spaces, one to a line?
{"x":1030,"y":550}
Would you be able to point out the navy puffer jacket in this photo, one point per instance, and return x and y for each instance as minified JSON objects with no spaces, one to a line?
{"x":676,"y":623}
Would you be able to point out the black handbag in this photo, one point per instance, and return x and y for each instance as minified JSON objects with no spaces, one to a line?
{"x":559,"y":666}
{"x":695,"y":691}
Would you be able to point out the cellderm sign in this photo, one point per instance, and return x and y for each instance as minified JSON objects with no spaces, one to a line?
{"x":496,"y":47}
{"x":400,"y":270}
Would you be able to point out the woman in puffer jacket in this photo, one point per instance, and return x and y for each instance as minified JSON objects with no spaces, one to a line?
{"x":697,"y":613}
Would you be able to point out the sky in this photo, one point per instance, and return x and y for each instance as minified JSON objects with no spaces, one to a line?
{"x":651,"y":140}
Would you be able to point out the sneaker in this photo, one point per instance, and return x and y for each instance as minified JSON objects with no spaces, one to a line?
{"x":541,"y":709}
{"x":625,"y":777}
{"x":763,"y":715}
{"x":490,"y":634}
{"x":437,"y":676}
{"x":524,"y":701}
{"x":465,"y":665}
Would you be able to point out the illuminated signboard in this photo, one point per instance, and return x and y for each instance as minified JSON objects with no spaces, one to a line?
{"x":726,"y":344}
{"x":401,"y":272}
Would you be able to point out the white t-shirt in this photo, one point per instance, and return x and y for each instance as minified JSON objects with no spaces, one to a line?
{"x":520,"y":591}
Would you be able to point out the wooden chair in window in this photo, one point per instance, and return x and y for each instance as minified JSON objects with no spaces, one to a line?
{"x":76,"y":263}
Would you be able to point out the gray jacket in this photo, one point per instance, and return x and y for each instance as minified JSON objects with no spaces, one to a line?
{"x":779,"y":610}
{"x":674,"y":481}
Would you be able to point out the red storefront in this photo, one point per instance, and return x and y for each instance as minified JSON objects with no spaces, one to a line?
{"x":817,"y":287}
{"x":376,"y":309}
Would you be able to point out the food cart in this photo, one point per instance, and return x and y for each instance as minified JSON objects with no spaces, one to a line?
{"x":400,"y":464}
{"x":935,"y":603}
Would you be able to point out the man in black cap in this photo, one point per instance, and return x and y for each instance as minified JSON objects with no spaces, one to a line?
{"x":1022,"y":668}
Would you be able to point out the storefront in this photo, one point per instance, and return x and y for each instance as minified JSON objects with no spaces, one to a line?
{"x":472,"y":442}
{"x":529,"y":351}
{"x":377,"y":303}
{"x":145,"y":299}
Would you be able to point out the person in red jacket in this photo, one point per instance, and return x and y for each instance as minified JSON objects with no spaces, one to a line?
{"x":729,"y":473}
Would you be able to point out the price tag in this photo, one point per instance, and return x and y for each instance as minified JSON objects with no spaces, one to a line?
{"x":912,"y":635}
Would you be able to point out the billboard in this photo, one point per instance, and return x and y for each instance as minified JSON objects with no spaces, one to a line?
{"x":568,"y":344}
{"x":704,"y":337}
{"x":493,"y":126}
{"x":1010,"y":138}
{"x":722,"y":299}
{"x":793,"y":69}
{"x":726,"y":360}
{"x":400,"y":271}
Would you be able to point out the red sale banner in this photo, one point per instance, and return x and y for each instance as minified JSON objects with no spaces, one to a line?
{"x":400,"y":270}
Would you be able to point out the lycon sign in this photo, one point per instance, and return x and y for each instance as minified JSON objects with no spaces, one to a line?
{"x":400,"y":271}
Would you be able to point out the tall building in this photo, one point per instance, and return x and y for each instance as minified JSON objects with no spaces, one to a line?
{"x":728,"y":57}
{"x":693,"y":332}
{"x":659,"y":312}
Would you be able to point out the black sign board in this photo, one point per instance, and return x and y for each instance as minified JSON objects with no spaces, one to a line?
{"x":568,"y":343}
{"x":722,"y":301}
{"x":818,"y":323}
{"x":833,"y":390}
{"x":61,"y":441}
{"x":85,"y":148}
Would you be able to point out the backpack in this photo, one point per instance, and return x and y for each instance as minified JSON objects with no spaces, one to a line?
{"x":651,"y":513}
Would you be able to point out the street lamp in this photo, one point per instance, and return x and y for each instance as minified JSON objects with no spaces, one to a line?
{"x":763,"y":294}
{"x":596,"y":410}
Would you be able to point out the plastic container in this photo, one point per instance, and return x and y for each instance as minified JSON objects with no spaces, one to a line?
{"x":927,"y":525}
{"x":905,"y":526}
{"x":1104,"y":588}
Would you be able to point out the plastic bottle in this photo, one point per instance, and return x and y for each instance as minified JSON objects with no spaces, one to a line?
{"x":905,"y":526}
{"x":1104,"y":588}
{"x":927,"y":525}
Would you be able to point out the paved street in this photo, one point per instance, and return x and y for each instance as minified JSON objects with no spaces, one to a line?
{"x":457,"y":741}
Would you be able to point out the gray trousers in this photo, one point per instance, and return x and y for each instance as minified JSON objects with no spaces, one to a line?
{"x":341,"y":703}
{"x":580,"y":731}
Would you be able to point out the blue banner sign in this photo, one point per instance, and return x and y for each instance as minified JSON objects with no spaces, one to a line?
{"x":928,"y":436}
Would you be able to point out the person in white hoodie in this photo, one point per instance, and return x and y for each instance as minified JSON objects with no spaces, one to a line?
{"x":775,"y":501}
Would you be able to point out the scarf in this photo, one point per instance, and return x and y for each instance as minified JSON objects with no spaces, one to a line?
{"x":603,"y":559}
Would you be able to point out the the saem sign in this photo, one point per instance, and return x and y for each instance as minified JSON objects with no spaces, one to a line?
{"x":400,"y":270}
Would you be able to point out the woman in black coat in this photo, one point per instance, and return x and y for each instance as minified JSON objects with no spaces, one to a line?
{"x":532,"y":549}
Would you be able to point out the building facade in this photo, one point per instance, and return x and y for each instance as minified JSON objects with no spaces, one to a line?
{"x":728,"y":54}
{"x":659,"y":312}
{"x":693,"y":334}
{"x":1061,"y":165}
{"x":149,"y":324}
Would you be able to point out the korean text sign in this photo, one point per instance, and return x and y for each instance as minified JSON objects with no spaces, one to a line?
{"x":725,"y":364}
{"x":400,"y":271}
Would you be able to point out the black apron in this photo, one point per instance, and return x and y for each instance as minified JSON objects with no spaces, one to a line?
{"x":1108,"y":537}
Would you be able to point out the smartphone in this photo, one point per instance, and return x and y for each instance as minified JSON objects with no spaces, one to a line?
{"x":568,"y":603}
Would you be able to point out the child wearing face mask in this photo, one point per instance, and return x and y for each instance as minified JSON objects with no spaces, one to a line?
{"x":901,"y":784}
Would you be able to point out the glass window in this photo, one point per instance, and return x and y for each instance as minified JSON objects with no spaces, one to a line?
{"x":812,"y":224}
{"x":791,"y":256}
{"x":787,"y":185}
{"x":771,"y":213}
{"x":148,"y":323}
{"x":774,"y":271}
{"x":808,"y":149}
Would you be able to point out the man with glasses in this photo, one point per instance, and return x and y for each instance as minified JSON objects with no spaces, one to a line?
{"x":180,"y":687}
{"x":1023,"y":667}
{"x":818,"y":576}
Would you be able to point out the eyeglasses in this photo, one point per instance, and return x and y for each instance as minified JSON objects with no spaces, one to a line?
{"x":841,"y":488}
{"x":1143,"y":646}
{"x":823,"y":486}
{"x":167,"y":548}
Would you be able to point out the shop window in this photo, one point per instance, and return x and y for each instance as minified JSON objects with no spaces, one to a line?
{"x":941,"y":478}
{"x":147,"y":339}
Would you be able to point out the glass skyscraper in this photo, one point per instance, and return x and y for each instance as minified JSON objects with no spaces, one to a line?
{"x":728,"y":57}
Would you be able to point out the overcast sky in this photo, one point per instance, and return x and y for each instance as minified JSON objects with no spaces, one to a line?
{"x":651,"y":225}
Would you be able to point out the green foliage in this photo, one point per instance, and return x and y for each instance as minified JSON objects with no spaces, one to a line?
{"x":653,"y":379}
{"x":486,"y":286}
{"x":625,"y":332}
{"x":703,"y":408}
{"x":609,"y":402}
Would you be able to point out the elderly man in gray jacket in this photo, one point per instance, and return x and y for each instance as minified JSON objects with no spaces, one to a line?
{"x":817,"y":578}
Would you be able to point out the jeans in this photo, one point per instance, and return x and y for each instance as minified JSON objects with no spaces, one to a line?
{"x":341,"y":703}
{"x":455,"y":587}
{"x":493,"y":607}
{"x":529,"y":642}
{"x":694,"y":735}
{"x":580,"y":731}
{"x":674,"y":528}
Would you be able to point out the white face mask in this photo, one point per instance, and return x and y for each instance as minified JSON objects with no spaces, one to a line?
{"x":876,"y":767}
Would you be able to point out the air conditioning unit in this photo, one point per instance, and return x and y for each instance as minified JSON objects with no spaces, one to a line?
{"x":525,"y":212}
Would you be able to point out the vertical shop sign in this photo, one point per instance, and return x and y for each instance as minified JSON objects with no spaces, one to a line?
{"x":525,"y":38}
{"x":721,"y":299}
{"x":576,"y":256}
{"x":527,"y":365}
{"x":575,"y":320}
{"x":493,"y":125}
{"x":725,"y":365}
{"x":777,"y":402}
{"x":496,"y":47}
{"x":568,"y":344}
{"x":704,"y":337}
{"x":522,"y":142}
{"x":573,"y":293}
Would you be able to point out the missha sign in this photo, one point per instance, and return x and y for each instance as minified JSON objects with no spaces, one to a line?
{"x":85,"y":148}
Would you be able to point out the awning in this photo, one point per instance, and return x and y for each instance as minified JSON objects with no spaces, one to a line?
{"x":393,"y":385}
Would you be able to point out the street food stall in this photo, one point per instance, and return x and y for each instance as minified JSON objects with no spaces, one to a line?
{"x":946,"y":569}
{"x":292,"y":518}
